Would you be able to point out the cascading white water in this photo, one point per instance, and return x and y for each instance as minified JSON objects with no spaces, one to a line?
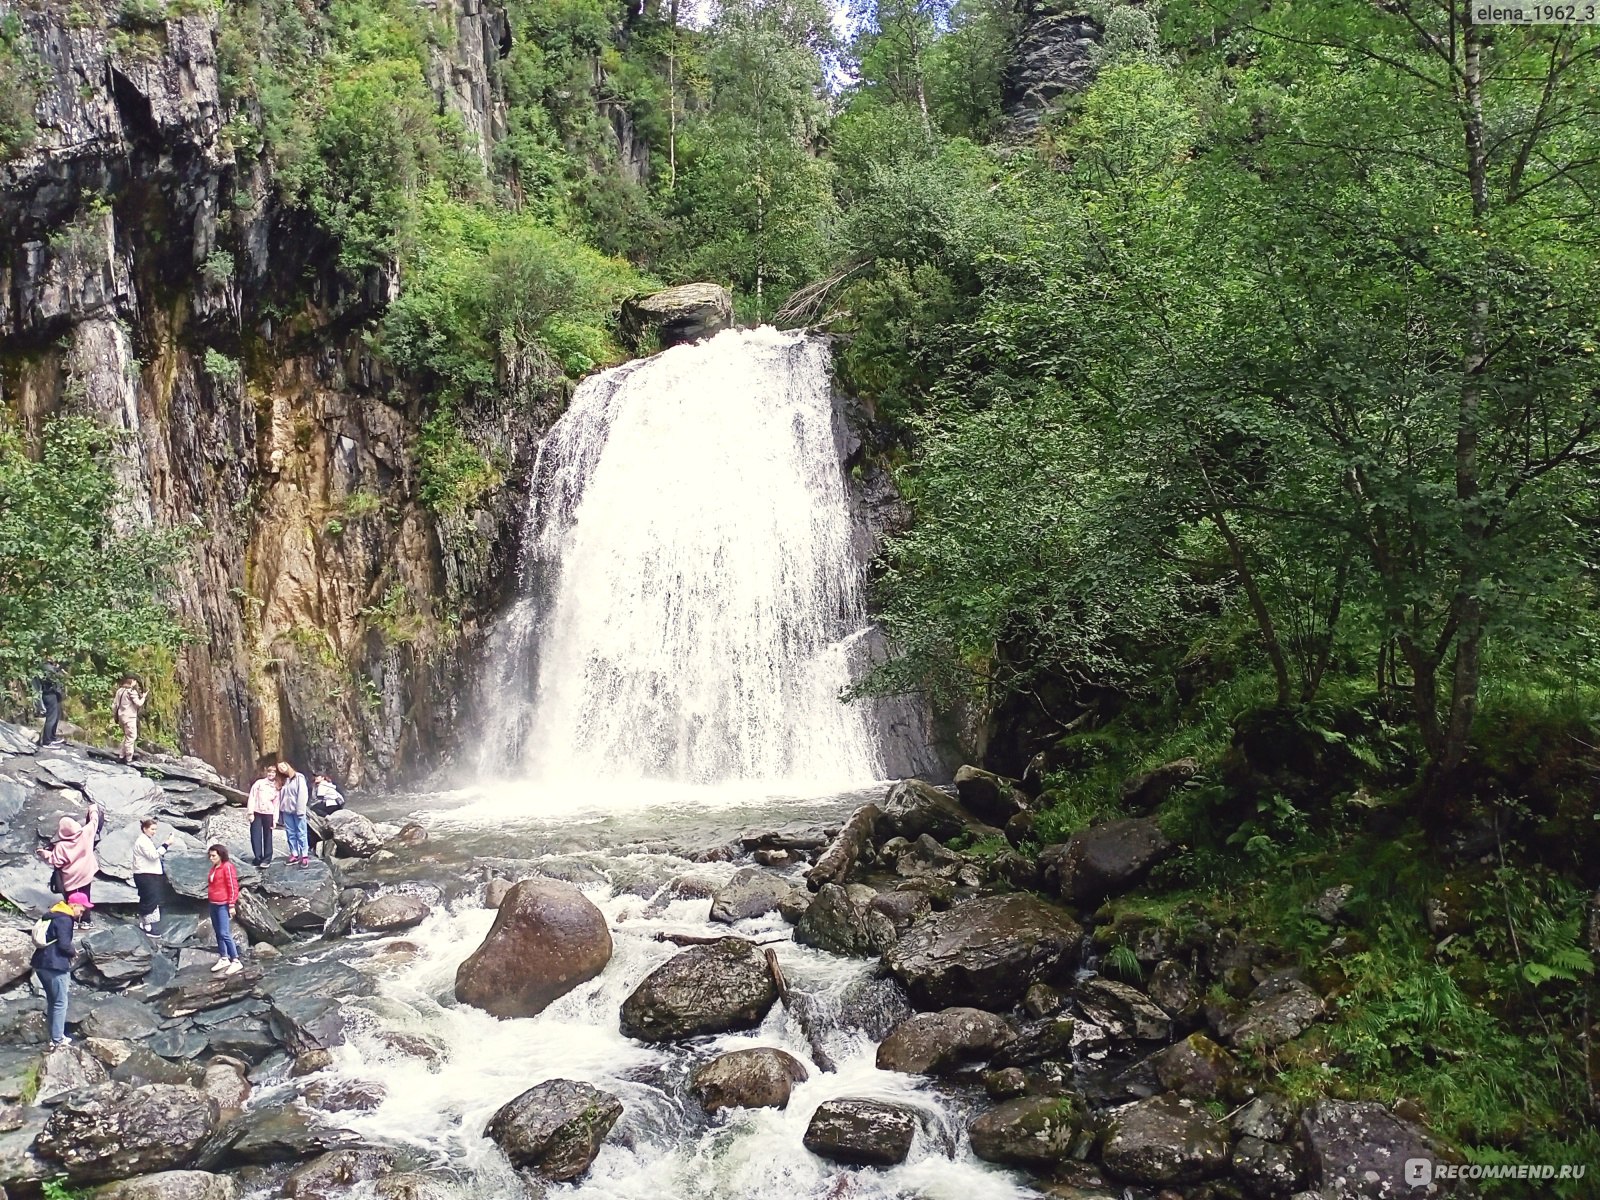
{"x":689,"y":582}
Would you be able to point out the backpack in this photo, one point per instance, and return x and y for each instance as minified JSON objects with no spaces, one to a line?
{"x":41,"y":933}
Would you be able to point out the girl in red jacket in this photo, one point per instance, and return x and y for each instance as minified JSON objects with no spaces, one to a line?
{"x":222,"y":889}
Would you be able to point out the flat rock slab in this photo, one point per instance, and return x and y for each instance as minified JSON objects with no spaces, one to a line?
{"x":1358,"y":1150}
{"x":14,"y":739}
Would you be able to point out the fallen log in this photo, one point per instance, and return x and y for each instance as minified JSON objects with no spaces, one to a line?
{"x":838,"y":859}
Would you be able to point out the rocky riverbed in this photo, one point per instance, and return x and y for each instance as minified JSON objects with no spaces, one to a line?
{"x":719,"y":1000}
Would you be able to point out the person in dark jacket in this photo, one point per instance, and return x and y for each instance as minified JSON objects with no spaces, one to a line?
{"x":51,"y":694}
{"x":52,"y":963}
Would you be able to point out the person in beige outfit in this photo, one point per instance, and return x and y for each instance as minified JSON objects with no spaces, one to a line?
{"x":126,"y":707}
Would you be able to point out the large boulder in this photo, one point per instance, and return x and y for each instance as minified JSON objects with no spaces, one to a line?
{"x":835,"y":923}
{"x":354,"y":836}
{"x":121,"y":953}
{"x":392,"y":913}
{"x":758,"y":1078}
{"x":1358,"y":1150}
{"x":119,"y":1018}
{"x":114,"y":1131}
{"x":301,"y":895}
{"x":985,"y":952}
{"x":274,"y":1133}
{"x":990,"y":797}
{"x":547,"y":939}
{"x":65,"y":1070}
{"x":685,"y":313}
{"x":1104,"y":859}
{"x":913,"y":808}
{"x":752,"y":892}
{"x":555,"y":1128}
{"x":1196,"y":1067}
{"x":705,"y":989}
{"x":862,"y":1133}
{"x":1164,"y":1140}
{"x":172,"y":1185}
{"x":1267,"y":1169}
{"x":256,"y":918}
{"x":1279,"y":1009}
{"x":1030,"y":1131}
{"x":936,"y":1042}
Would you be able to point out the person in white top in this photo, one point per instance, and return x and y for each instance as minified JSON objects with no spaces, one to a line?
{"x":328,"y":798}
{"x":149,"y":873}
{"x":262,"y":806}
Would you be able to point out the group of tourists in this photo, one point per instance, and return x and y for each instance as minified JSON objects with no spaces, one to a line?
{"x":126,"y":705}
{"x":281,"y":794}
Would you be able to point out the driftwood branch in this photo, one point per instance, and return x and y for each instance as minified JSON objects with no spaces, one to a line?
{"x":778,"y":980}
{"x":705,"y":939}
{"x":838,"y":859}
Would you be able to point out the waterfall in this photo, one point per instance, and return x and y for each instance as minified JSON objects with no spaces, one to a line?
{"x":691,"y":584}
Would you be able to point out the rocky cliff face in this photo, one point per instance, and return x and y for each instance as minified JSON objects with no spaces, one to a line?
{"x":150,"y":278}
{"x":1055,"y":55}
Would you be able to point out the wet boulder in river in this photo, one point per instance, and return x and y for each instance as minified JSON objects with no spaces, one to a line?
{"x":934,"y":1043}
{"x":547,"y":939}
{"x":751,"y":892}
{"x":836,"y":923}
{"x":392,"y":913}
{"x":758,"y":1078}
{"x":913,"y":808}
{"x":994,"y":798}
{"x":354,"y":836}
{"x":862,"y":1133}
{"x":985,"y":953}
{"x":556,"y":1128}
{"x":705,"y":989}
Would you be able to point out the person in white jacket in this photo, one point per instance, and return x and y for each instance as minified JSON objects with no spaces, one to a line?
{"x":149,"y":873}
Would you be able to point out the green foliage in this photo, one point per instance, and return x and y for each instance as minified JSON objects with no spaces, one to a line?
{"x":1122,"y":962}
{"x":18,"y":94}
{"x":217,"y":269}
{"x":75,"y":587}
{"x":489,"y":287}
{"x":222,"y":369}
{"x":454,"y":473}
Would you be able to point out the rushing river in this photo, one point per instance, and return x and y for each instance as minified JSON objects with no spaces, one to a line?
{"x":636,"y":855}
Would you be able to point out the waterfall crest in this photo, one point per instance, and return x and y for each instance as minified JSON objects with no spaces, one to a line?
{"x":690,"y":583}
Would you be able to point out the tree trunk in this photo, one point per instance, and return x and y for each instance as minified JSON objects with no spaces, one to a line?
{"x":1258,"y":604}
{"x":1457,"y":727}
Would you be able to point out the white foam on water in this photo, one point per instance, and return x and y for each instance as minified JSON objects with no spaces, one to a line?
{"x":663,"y":1148}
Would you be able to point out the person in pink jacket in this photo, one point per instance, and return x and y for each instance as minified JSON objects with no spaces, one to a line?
{"x":263,"y":808}
{"x":72,"y":853}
